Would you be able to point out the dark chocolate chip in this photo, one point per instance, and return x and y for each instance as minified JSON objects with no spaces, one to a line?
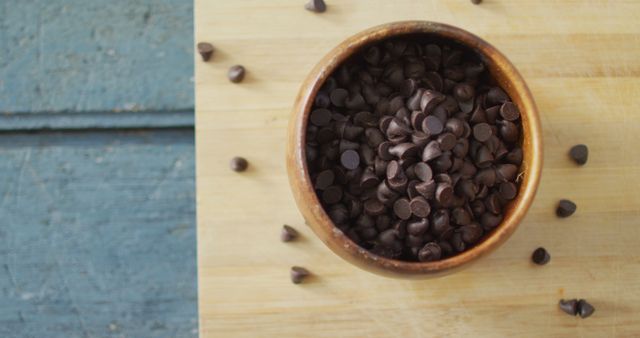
{"x":417,"y":228}
{"x":317,"y":6}
{"x":484,"y":157}
{"x":402,"y":208}
{"x":350,"y":159}
{"x":432,"y":150}
{"x":455,"y":126}
{"x":463,"y":92}
{"x":423,"y":171}
{"x":579,"y":154}
{"x":540,"y":256}
{"x":509,"y":131}
{"x":320,"y":117}
{"x":288,"y":233}
{"x":509,"y":111}
{"x":461,"y":216}
{"x":456,"y":242}
{"x":374,"y":207}
{"x":488,"y":220}
{"x":322,"y":100}
{"x":238,"y":164}
{"x":471,"y":233}
{"x":496,"y":96}
{"x":338,"y":96}
{"x":482,"y":132}
{"x":205,"y":50}
{"x":332,"y":194}
{"x":565,"y":208}
{"x":324,"y":179}
{"x":298,"y":274}
{"x":478,"y":115}
{"x":569,"y":306}
{"x":492,"y":203}
{"x":420,"y":207}
{"x":369,"y":179}
{"x":236,"y":73}
{"x":388,"y":237}
{"x":444,"y":193}
{"x":432,"y":125}
{"x":447,"y":141}
{"x":585,"y":309}
{"x":430,"y":99}
{"x":508,"y":190}
{"x":430,"y":252}
{"x":404,"y":150}
{"x":515,"y":156}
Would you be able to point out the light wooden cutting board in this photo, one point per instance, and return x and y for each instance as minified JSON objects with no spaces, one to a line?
{"x":581,"y":60}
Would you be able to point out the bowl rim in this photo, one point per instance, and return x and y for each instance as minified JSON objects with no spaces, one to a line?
{"x":302,"y":186}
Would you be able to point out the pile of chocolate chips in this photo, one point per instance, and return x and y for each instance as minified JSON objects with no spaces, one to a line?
{"x":413,"y":150}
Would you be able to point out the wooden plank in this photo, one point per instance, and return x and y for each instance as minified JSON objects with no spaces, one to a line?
{"x":580,"y":61}
{"x":80,"y":56}
{"x":97,"y":235}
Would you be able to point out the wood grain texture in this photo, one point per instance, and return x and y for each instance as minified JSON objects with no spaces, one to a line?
{"x":580,"y":59}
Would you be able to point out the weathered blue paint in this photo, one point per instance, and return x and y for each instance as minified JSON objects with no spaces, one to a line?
{"x":95,"y":55}
{"x":97,"y":120}
{"x":97,"y":235}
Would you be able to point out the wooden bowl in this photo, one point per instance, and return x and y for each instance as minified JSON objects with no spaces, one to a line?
{"x":502,"y":71}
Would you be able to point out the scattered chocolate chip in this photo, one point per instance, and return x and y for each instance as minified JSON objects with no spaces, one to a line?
{"x":238,"y":164}
{"x":205,"y":50}
{"x":236,"y":73}
{"x":298,"y":274}
{"x":317,"y":6}
{"x":585,"y":309}
{"x":565,"y":208}
{"x":569,"y":306}
{"x":476,"y":2}
{"x":579,"y":154}
{"x":288,"y":233}
{"x":540,"y":256}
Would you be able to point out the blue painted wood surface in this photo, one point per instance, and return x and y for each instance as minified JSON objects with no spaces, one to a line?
{"x":82,"y":56}
{"x":97,"y":228}
{"x":97,"y":235}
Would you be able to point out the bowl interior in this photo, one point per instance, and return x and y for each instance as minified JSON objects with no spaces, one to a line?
{"x":504,"y":74}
